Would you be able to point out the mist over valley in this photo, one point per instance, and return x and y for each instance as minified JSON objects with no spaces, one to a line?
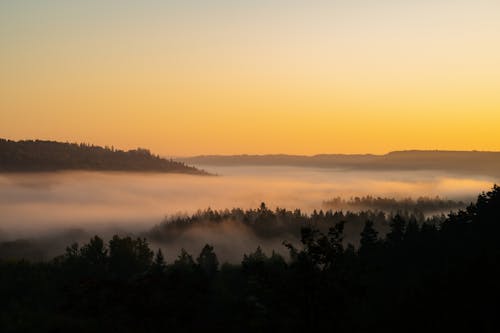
{"x":51,"y":210}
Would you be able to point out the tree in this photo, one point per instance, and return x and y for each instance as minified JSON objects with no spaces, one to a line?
{"x":369,"y":238}
{"x":184,"y":259}
{"x":94,"y":253}
{"x":72,"y":252}
{"x":129,"y":256}
{"x":159,"y":265}
{"x":396,"y":234}
{"x":207,"y":260}
{"x":254,"y":261}
{"x":412,"y":231}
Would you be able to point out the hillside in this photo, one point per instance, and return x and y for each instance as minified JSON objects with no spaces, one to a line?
{"x":469,"y":162}
{"x":38,"y":155}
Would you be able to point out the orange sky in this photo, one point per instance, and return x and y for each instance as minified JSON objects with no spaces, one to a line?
{"x":301,"y":77}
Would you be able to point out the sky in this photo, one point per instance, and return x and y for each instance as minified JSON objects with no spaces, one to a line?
{"x":257,"y":77}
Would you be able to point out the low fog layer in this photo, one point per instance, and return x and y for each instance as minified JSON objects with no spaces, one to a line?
{"x":33,"y":205}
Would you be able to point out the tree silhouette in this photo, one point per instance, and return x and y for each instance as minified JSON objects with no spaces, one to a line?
{"x":207,"y":260}
{"x":39,"y":155}
{"x":369,"y":238}
{"x":430,"y":276}
{"x":159,"y":265}
{"x":128,"y":256}
{"x":396,"y":234}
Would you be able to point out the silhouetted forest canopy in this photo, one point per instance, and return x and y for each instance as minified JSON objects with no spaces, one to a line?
{"x":264,"y":224}
{"x":421,"y":204}
{"x":38,"y":155}
{"x":462,"y":162}
{"x":282,"y":223}
{"x":416,"y":277}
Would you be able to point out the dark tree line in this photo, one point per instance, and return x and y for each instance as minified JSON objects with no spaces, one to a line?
{"x":267,"y":225}
{"x":283,"y":223}
{"x":38,"y":155}
{"x":421,"y":204}
{"x":416,"y":278}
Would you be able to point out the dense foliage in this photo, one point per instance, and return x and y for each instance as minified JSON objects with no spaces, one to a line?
{"x":282,"y":223}
{"x":33,"y":156}
{"x":418,"y":278}
{"x":270,"y":227}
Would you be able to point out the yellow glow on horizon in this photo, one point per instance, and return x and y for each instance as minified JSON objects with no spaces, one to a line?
{"x":330,"y":79}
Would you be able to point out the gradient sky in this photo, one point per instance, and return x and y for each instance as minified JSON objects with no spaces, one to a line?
{"x":228,"y":77}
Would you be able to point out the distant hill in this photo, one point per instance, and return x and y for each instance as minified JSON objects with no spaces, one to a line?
{"x":38,"y":155}
{"x":469,"y":162}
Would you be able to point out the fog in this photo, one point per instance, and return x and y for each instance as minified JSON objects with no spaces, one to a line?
{"x":35,"y":205}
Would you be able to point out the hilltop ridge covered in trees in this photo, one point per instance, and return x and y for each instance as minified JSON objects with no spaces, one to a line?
{"x":463,"y":162}
{"x":39,"y":155}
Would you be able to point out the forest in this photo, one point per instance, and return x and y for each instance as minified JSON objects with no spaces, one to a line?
{"x":284,"y":224}
{"x":261,"y":225}
{"x":418,"y":275}
{"x":425,"y":205}
{"x":39,"y":155}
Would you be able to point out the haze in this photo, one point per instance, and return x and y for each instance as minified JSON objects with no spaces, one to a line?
{"x":187,"y":78}
{"x":38,"y":203}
